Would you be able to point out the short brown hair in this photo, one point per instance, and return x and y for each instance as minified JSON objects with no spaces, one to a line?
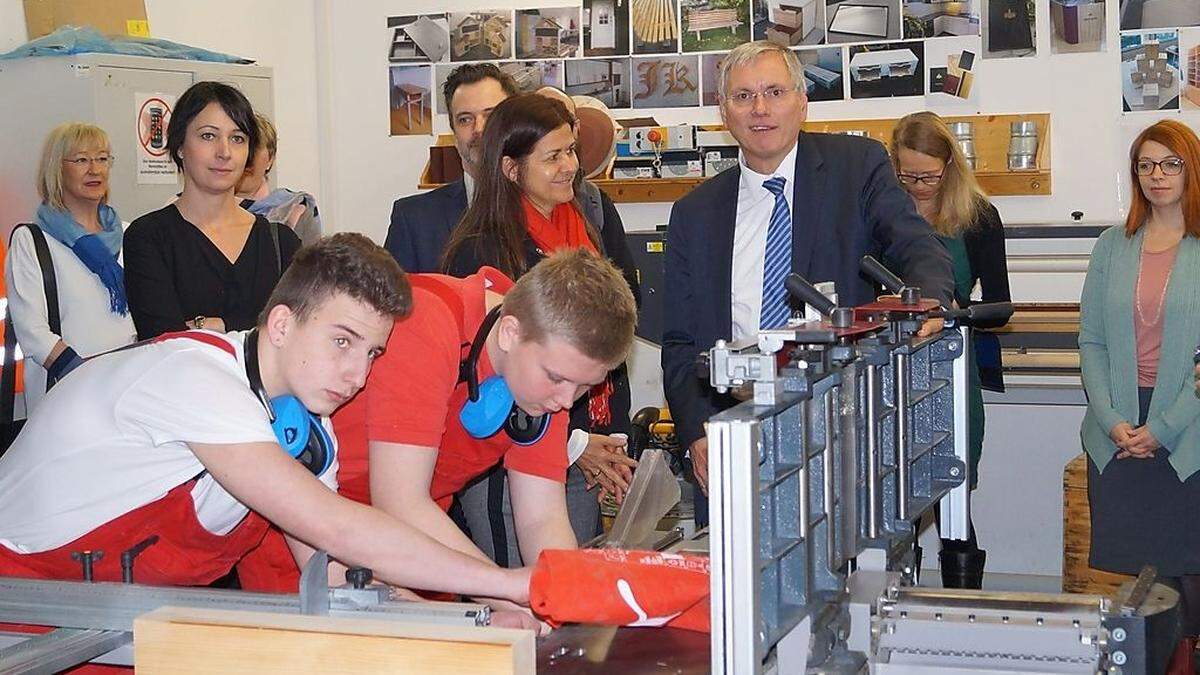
{"x":348,"y":263}
{"x":268,"y":137}
{"x":580,"y":297}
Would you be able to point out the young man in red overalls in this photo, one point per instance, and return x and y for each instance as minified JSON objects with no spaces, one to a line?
{"x":411,"y":439}
{"x":195,"y":437}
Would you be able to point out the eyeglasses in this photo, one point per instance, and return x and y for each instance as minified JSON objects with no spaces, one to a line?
{"x":770,"y":96}
{"x":104,"y":161}
{"x":927,"y":179}
{"x":1171,"y":166}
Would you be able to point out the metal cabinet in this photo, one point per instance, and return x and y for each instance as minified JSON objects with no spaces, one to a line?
{"x":37,"y":94}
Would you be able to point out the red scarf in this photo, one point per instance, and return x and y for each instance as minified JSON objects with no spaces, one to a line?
{"x":566,"y":228}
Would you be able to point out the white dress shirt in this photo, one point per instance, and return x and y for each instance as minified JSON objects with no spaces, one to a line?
{"x":754,"y":206}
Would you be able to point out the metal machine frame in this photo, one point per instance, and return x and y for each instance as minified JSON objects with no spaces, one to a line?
{"x":855,"y":429}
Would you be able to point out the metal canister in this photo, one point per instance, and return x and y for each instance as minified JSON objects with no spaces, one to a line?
{"x":964,"y":135}
{"x":1022,"y":146}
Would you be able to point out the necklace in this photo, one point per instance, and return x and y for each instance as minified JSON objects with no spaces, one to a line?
{"x":1162,"y":298}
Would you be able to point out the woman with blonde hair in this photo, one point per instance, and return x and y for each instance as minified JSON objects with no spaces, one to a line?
{"x":83,"y":236}
{"x":933,"y":170}
{"x":1139,"y":319}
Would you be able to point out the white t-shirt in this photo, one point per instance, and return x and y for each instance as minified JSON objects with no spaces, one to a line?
{"x":113,"y":437}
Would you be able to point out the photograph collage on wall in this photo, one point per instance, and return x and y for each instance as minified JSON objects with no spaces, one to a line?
{"x":887,"y":69}
{"x":668,"y":81}
{"x":481,"y":35}
{"x":824,"y":73}
{"x":548,"y":33}
{"x":930,"y":19}
{"x":1009,"y":29}
{"x":418,"y":38}
{"x":1077,"y":26}
{"x":410,"y":105}
{"x":636,"y":54}
{"x":951,"y":85}
{"x":1189,"y":68}
{"x":1150,"y":71}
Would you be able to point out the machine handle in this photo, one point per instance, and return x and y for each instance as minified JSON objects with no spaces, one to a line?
{"x":989,"y":312}
{"x":805,"y":292}
{"x":880,"y":274}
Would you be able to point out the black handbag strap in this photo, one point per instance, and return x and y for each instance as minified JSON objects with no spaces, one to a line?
{"x":8,"y":372}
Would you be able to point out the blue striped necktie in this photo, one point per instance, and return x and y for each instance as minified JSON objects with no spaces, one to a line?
{"x":778,"y":260}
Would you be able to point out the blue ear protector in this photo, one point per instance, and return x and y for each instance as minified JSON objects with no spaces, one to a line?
{"x":299,"y":432}
{"x":490,"y":406}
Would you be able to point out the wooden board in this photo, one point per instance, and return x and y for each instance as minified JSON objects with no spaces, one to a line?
{"x":188,"y":640}
{"x":1077,"y":576}
{"x":991,"y":136}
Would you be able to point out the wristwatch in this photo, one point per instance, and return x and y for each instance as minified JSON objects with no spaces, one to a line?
{"x":198,"y":322}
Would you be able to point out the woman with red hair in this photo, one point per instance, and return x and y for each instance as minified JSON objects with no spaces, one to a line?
{"x":1139,"y":325}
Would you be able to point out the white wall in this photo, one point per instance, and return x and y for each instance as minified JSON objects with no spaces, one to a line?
{"x":276,"y":33}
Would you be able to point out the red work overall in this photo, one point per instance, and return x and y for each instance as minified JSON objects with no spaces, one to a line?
{"x":186,"y":553}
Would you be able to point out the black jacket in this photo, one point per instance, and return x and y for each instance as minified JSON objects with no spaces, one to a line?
{"x":847,"y":202}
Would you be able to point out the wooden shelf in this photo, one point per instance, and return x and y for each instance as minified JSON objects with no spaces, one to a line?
{"x":991,"y":136}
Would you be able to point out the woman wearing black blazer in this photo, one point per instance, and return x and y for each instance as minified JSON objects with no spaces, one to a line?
{"x":525,"y":208}
{"x":933,"y":170}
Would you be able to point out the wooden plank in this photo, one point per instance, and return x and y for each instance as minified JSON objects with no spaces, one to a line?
{"x":190,"y":640}
{"x":1077,"y":576}
{"x":991,"y":134}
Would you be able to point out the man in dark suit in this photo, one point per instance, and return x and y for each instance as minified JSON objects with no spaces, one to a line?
{"x":808,"y":203}
{"x":422,"y":223}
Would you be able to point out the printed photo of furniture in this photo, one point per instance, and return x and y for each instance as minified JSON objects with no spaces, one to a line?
{"x":605,"y":79}
{"x":862,"y":20}
{"x":1137,"y":14}
{"x":418,"y":38}
{"x":715,"y":24}
{"x":605,"y":27}
{"x":411,"y":108}
{"x":823,"y":70}
{"x":790,"y":22}
{"x":1150,"y":71}
{"x":1078,"y":25}
{"x":481,"y":35}
{"x":1191,"y":78}
{"x":882,"y":70}
{"x":940,"y":18}
{"x":548,"y":33}
{"x":533,"y":75}
{"x":655,"y":26}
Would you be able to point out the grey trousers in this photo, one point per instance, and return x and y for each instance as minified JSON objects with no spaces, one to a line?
{"x":489,"y":515}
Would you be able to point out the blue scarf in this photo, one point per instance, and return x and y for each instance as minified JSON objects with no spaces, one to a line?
{"x":98,"y":252}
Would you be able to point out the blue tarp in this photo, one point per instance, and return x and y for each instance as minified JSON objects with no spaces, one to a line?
{"x":72,"y":40}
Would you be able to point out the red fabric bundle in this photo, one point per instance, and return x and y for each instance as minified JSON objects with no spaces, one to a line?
{"x":621,"y":588}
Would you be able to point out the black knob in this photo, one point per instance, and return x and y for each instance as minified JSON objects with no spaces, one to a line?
{"x":910,"y":295}
{"x":842,"y":317}
{"x":359,"y":577}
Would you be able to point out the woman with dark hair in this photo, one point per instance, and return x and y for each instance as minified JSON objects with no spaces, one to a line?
{"x":204,"y":261}
{"x":526,"y":207}
{"x":932,"y":169}
{"x":1138,"y":324}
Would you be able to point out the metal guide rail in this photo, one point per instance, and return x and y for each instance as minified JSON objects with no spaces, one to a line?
{"x":93,"y":619}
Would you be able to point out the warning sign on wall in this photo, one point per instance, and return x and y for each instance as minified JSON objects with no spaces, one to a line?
{"x":154,"y":164}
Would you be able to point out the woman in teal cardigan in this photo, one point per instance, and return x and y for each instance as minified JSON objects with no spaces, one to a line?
{"x":1139,"y":325}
